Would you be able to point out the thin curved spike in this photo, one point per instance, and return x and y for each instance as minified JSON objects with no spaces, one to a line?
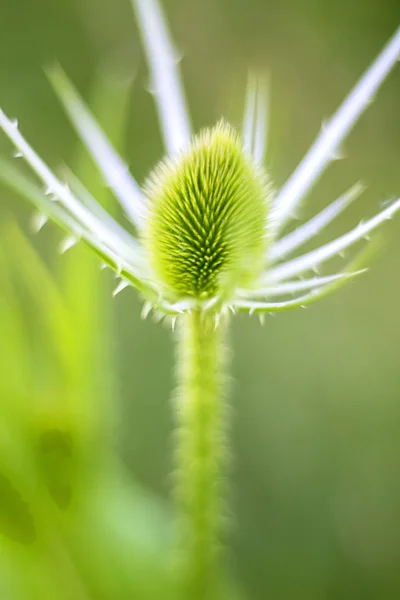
{"x":62,"y":193}
{"x":38,"y":221}
{"x":311,"y":228}
{"x":249,"y":114}
{"x":320,"y":255}
{"x":334,"y":131}
{"x":261,"y":123}
{"x":113,"y":169}
{"x":165,"y":78}
{"x":292,"y":287}
{"x":121,"y":286}
{"x":176,"y":309}
{"x":254,"y":133}
{"x":68,"y":243}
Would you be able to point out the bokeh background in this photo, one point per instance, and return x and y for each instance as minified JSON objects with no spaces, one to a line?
{"x":315,"y":425}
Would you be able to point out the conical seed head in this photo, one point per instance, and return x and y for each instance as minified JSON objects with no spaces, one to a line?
{"x":206,"y":227}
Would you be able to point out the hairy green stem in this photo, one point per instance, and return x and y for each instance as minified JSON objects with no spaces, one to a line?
{"x":201,"y":452}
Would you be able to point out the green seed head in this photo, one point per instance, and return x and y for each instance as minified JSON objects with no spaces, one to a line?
{"x":206,"y":228}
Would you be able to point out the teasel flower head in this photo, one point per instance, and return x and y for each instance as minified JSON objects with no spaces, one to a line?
{"x":208,"y":224}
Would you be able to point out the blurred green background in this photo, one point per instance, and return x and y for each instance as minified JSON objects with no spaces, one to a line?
{"x":315,"y":425}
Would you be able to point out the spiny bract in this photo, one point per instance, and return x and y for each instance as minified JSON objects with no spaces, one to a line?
{"x":205,"y":231}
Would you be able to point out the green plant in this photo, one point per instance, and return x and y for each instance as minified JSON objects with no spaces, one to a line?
{"x":207,"y":243}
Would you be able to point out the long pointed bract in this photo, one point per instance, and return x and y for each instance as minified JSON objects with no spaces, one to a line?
{"x":291,"y":287}
{"x":261,"y":123}
{"x":249,"y":114}
{"x":165,"y":78}
{"x":316,"y":257}
{"x":354,"y":268}
{"x":334,"y":131}
{"x":64,"y":195}
{"x":18,"y":182}
{"x":311,"y":228}
{"x":255,"y":119}
{"x":254,"y":306}
{"x":113,"y":169}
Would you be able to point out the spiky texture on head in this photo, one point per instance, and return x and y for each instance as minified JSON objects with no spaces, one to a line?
{"x":205,"y":231}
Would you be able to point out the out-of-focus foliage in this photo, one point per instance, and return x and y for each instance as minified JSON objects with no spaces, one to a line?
{"x":84,"y":410}
{"x":72,"y":523}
